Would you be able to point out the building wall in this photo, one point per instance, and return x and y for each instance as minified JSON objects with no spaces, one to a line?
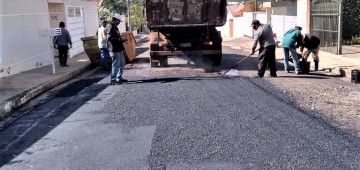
{"x":90,"y":13}
{"x":24,"y":43}
{"x":248,"y":17}
{"x":282,"y":17}
{"x":225,"y":29}
{"x":303,"y":12}
{"x":285,"y":8}
{"x":80,"y":26}
{"x":241,"y":25}
{"x":279,"y":10}
{"x":56,"y":14}
{"x":122,"y":26}
{"x":282,"y":23}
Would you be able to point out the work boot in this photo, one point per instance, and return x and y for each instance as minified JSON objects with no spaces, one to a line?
{"x":273,"y":74}
{"x":316,"y":65}
{"x":261,"y":74}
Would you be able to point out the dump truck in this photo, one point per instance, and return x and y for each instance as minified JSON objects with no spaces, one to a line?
{"x":185,"y":27}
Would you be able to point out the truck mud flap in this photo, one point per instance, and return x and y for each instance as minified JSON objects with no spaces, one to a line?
{"x":211,"y":62}
{"x":159,"y":61}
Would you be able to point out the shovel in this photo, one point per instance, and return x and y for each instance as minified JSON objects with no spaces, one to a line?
{"x":237,"y":64}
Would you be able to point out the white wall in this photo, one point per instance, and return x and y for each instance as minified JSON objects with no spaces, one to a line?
{"x":242,"y":24}
{"x":122,"y":26}
{"x":23,"y":45}
{"x":289,"y":8}
{"x":89,"y":20}
{"x":292,"y":10}
{"x":248,"y":17}
{"x":282,"y":23}
{"x":56,"y":14}
{"x":225,"y":29}
{"x":282,"y":18}
{"x":279,"y":10}
{"x":90,"y":13}
{"x":302,"y":12}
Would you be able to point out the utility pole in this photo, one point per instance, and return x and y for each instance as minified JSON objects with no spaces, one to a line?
{"x":128,"y":9}
{"x":255,"y":7}
{"x":339,"y":45}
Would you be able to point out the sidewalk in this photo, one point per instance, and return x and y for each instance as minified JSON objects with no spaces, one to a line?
{"x":329,"y":63}
{"x":18,"y":89}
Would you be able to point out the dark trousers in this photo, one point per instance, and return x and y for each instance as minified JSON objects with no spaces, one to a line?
{"x":63,"y":51}
{"x":267,"y":58}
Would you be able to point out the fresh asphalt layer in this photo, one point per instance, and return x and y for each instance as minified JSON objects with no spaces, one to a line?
{"x":182,"y":123}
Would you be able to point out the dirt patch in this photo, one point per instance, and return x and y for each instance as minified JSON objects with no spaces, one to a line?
{"x":334,"y":99}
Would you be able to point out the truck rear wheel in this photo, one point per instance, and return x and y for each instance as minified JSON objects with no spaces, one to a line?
{"x":154,"y":61}
{"x":159,"y":61}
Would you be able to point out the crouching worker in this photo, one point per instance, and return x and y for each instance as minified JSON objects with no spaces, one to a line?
{"x":312,"y":44}
{"x":292,"y":40}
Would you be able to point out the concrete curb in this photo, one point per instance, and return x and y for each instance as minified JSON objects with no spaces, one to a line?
{"x":342,"y":70}
{"x":25,"y":96}
{"x":18,"y":100}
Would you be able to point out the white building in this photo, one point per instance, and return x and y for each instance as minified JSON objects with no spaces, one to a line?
{"x":281,"y":14}
{"x":24,"y":43}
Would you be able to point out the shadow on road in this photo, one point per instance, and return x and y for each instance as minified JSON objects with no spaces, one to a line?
{"x":31,"y":127}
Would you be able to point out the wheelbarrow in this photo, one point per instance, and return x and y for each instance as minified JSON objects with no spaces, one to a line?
{"x":92,"y":50}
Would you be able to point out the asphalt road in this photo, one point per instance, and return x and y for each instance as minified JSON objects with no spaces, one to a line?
{"x":173,"y":123}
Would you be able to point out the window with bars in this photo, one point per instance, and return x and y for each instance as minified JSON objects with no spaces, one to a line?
{"x":74,"y":12}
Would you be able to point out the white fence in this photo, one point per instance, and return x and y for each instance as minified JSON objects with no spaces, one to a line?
{"x":282,"y":23}
{"x":241,"y":25}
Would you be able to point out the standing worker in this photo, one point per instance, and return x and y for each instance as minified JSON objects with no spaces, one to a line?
{"x":264,"y":35}
{"x":312,"y":44}
{"x":115,"y":46}
{"x":292,"y":39}
{"x":102,"y":43}
{"x":63,"y":43}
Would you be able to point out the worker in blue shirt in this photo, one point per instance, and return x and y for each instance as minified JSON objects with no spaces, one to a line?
{"x":292,"y":40}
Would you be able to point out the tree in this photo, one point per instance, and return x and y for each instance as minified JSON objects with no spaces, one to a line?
{"x":136,"y":15}
{"x":109,"y":7}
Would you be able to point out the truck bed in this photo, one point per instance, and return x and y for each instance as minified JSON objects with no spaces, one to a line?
{"x":185,"y":13}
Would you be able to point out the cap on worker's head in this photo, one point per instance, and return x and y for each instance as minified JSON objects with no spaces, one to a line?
{"x":298,"y":28}
{"x":103,"y":21}
{"x":117,"y":16}
{"x":255,"y":22}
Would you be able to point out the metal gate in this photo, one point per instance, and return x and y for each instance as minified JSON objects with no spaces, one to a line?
{"x":324,"y":23}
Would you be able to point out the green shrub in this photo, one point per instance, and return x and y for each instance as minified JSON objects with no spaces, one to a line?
{"x":354,"y":40}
